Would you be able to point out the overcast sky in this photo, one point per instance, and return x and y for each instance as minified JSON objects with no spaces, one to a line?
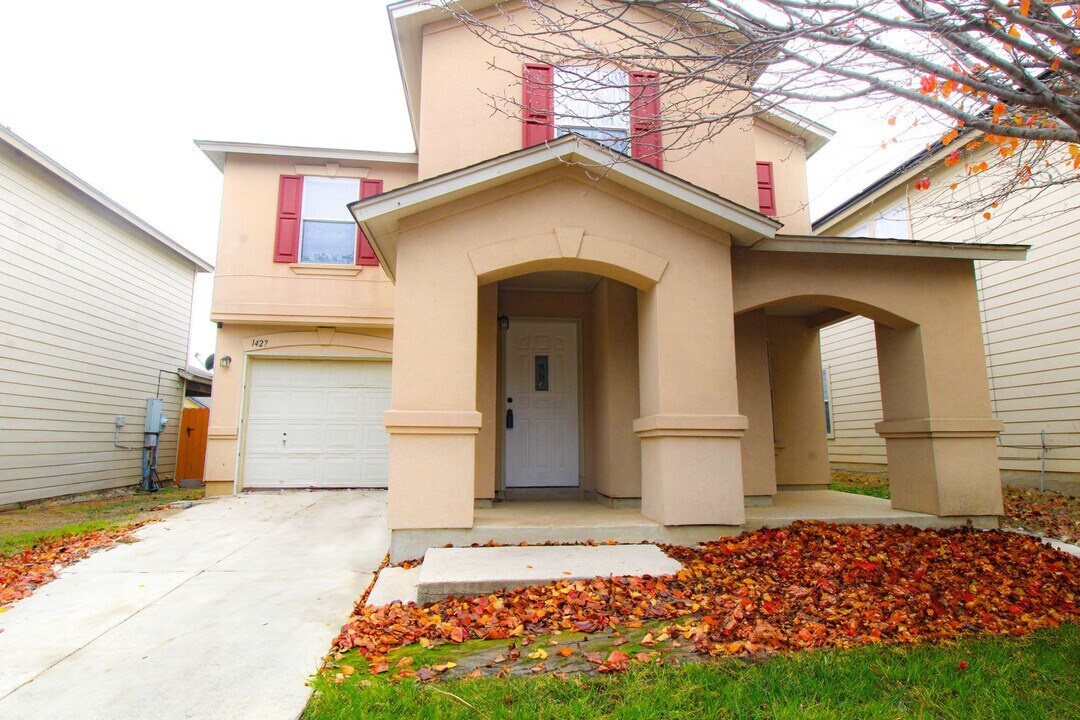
{"x":116,"y":91}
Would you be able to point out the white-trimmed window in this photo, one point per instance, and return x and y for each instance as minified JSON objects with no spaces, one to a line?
{"x":893,"y":223}
{"x":327,"y":230}
{"x":826,"y":390}
{"x":861,"y":231}
{"x":594,"y":103}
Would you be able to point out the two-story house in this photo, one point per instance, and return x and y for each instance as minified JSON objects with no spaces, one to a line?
{"x":546,"y":306}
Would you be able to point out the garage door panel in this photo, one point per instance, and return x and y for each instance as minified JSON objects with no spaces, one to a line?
{"x":330,"y":415}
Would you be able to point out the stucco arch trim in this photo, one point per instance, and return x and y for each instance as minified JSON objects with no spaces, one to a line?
{"x":851,"y":305}
{"x":316,"y":339}
{"x":568,"y":248}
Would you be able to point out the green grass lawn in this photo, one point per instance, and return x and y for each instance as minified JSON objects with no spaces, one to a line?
{"x":860,"y":483}
{"x":1032,"y":677}
{"x":23,"y":528}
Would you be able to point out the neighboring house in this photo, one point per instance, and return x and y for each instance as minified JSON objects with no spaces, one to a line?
{"x":1030,"y":316}
{"x":94,"y":320}
{"x":524,"y":314}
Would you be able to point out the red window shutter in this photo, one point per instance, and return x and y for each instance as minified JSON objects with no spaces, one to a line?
{"x":645,"y":139}
{"x":365,"y":254}
{"x":766,"y":190}
{"x":287,"y":240}
{"x":537,"y":104}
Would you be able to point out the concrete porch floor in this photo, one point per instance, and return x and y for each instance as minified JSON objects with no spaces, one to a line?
{"x":539,"y":521}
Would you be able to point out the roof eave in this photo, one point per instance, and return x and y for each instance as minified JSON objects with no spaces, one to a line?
{"x":217,"y":151}
{"x":101,"y":199}
{"x":887,"y":246}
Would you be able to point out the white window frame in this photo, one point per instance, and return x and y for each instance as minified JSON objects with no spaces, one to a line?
{"x":616,"y":125}
{"x":826,"y":391}
{"x":860,"y":231}
{"x":304,"y":195}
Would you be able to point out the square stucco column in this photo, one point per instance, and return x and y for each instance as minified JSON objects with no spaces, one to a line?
{"x":433,"y":422}
{"x":691,"y":428}
{"x":939,"y":433}
{"x":755,"y":401}
{"x":802,"y":451}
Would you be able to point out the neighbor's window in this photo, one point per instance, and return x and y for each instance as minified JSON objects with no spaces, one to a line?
{"x":893,"y":223}
{"x":825,"y":382}
{"x":327,"y":230}
{"x":858,"y":232}
{"x":593,"y":103}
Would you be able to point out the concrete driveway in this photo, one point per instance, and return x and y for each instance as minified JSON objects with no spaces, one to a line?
{"x":221,"y":611}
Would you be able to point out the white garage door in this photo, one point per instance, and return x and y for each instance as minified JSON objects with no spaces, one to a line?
{"x":317,"y":423}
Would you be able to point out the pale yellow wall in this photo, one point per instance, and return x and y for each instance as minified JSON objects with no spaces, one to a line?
{"x":91,"y":311}
{"x":1029,"y":312}
{"x":787,"y":154}
{"x":460,"y":123}
{"x":249,"y":287}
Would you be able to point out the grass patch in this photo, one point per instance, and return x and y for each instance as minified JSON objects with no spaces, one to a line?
{"x":870,"y":484}
{"x":1034,"y":676}
{"x":22,"y":528}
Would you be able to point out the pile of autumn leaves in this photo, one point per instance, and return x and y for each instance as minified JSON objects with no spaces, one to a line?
{"x":22,"y":573}
{"x":810,"y":585}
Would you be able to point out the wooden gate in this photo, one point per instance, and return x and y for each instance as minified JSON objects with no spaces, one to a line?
{"x":191,"y":454}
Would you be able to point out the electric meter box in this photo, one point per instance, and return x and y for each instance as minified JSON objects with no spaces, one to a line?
{"x":155,"y":419}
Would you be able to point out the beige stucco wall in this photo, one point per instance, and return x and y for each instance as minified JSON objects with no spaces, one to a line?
{"x":787,"y":154}
{"x":249,"y":287}
{"x":467,"y":115}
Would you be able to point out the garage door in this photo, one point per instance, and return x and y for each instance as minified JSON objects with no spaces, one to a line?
{"x":317,"y":423}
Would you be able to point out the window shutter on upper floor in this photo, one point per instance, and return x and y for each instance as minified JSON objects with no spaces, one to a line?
{"x":537,"y":104}
{"x":290,"y":197}
{"x":365,"y":254}
{"x":646,"y":142}
{"x":766,"y":190}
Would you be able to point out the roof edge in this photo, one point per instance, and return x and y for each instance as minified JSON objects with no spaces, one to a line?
{"x":91,"y":193}
{"x":216,"y":150}
{"x":888,"y":246}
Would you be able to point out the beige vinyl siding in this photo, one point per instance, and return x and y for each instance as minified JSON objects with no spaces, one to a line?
{"x":90,"y":311}
{"x":849,"y":351}
{"x":1031,"y":328}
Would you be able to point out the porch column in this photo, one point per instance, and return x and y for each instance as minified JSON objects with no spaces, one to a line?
{"x":802,"y":452}
{"x":755,"y":401}
{"x":433,"y":422}
{"x":690,"y":427}
{"x":938,"y":429}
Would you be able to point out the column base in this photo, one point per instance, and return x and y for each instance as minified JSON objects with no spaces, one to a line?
{"x":944,"y":466}
{"x":691,"y":469}
{"x":432,"y":468}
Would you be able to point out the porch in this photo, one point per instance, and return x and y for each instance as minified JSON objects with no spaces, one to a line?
{"x":565,"y":521}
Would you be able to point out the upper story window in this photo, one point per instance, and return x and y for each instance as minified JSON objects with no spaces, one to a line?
{"x":617,"y":108}
{"x":595,"y":104}
{"x":327,"y":230}
{"x":893,"y":223}
{"x":314,"y":224}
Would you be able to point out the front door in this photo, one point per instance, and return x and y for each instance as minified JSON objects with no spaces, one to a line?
{"x":541,"y":404}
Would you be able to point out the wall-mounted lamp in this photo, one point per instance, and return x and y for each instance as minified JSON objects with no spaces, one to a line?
{"x":225,"y":361}
{"x":504,"y":322}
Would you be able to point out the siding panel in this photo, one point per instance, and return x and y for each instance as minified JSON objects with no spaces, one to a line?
{"x":92,"y":313}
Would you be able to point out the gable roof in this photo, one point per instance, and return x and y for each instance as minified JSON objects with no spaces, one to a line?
{"x":378,"y":216}
{"x":99,"y":199}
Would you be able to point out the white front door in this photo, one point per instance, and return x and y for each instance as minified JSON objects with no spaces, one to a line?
{"x":541,"y":404}
{"x":316,"y":423}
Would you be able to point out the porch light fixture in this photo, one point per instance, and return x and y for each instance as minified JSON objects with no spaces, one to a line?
{"x":504,"y":322}
{"x":225,"y":362}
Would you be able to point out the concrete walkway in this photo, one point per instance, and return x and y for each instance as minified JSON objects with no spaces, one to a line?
{"x":221,"y":611}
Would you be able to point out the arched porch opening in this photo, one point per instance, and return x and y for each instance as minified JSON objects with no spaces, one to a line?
{"x":938,"y":433}
{"x":557,"y":367}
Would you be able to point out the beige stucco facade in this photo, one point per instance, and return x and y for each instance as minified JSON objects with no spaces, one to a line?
{"x":696,"y":317}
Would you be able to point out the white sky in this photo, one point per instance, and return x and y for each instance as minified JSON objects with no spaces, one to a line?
{"x":117,"y":90}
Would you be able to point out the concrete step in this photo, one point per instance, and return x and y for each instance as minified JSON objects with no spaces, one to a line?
{"x":468,"y":572}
